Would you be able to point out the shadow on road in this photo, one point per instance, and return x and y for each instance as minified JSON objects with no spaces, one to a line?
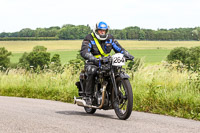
{"x":85,"y":114}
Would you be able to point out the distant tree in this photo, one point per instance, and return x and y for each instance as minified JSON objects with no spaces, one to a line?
{"x":4,"y":34}
{"x":132,"y":32}
{"x":148,"y":34}
{"x":141,"y":35}
{"x":196,"y":33}
{"x":54,"y":27}
{"x":70,"y":31}
{"x":73,"y":32}
{"x":27,"y":32}
{"x":68,"y":25}
{"x":41,"y":32}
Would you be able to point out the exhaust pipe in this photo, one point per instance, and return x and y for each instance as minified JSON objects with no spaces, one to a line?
{"x":81,"y":102}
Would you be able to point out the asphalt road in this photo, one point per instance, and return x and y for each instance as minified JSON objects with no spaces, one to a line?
{"x":23,"y":115}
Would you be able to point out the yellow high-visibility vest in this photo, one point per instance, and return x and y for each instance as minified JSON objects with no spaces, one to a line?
{"x":99,"y":47}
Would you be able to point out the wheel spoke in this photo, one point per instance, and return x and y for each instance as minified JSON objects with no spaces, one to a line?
{"x":123,"y":104}
{"x":123,"y":96}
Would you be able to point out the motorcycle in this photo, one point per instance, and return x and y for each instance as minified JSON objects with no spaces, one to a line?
{"x":112,"y":88}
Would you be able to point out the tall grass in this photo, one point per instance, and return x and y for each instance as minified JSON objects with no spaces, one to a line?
{"x":43,"y":86}
{"x":167,"y":91}
{"x":156,"y":89}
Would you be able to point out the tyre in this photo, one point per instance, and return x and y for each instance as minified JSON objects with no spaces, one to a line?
{"x":90,"y":110}
{"x":123,"y":106}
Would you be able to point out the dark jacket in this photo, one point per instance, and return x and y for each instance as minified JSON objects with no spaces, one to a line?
{"x":89,"y":46}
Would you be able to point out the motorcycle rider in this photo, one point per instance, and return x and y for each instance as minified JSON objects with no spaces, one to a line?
{"x":98,"y":44}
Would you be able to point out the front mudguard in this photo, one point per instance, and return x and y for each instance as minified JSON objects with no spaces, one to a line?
{"x":124,"y":76}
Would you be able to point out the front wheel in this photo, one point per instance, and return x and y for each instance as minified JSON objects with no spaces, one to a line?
{"x":124,"y":104}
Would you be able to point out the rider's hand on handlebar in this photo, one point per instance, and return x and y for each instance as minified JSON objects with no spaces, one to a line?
{"x":105,"y":59}
{"x":129,"y":56}
{"x":94,"y":60}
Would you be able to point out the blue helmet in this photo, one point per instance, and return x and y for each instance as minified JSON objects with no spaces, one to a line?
{"x":101,"y":26}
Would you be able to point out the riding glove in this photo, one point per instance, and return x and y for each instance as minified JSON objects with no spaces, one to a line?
{"x":126,"y":54}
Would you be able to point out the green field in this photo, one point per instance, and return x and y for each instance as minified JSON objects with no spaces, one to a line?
{"x":65,"y":56}
{"x":152,"y":51}
{"x":150,"y":56}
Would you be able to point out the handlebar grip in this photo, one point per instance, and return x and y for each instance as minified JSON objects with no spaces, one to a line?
{"x":129,"y":59}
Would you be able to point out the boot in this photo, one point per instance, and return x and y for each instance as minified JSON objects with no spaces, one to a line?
{"x":89,"y":87}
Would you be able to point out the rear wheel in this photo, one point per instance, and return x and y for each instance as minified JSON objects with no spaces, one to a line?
{"x":123,"y":106}
{"x":90,"y":110}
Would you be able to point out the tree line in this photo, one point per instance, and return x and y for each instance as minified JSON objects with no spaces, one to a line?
{"x":72,"y":32}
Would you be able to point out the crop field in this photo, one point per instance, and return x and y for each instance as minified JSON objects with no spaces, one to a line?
{"x":151,"y":51}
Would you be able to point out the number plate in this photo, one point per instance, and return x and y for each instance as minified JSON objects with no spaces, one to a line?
{"x":118,"y":59}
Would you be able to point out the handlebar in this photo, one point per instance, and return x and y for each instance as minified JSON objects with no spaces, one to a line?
{"x":109,"y":58}
{"x":129,"y":59}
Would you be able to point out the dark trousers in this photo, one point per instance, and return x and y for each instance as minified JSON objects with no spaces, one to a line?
{"x":91,"y":71}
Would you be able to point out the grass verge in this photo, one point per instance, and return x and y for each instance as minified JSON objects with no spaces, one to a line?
{"x":156,"y":89}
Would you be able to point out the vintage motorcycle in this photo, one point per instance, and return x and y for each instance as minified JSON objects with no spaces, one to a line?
{"x":112,"y":88}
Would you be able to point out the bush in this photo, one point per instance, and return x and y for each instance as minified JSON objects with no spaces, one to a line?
{"x":193,"y":60}
{"x":38,"y":59}
{"x":77,"y":64}
{"x":189,"y":57}
{"x":56,"y":59}
{"x":78,"y":56}
{"x":4,"y":58}
{"x":55,"y":65}
{"x":23,"y":62}
{"x":178,"y":54}
{"x":39,"y":49}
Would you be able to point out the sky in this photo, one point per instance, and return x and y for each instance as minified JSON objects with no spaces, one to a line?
{"x":118,"y":14}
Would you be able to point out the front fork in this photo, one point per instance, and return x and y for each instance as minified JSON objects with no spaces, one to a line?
{"x":116,"y":91}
